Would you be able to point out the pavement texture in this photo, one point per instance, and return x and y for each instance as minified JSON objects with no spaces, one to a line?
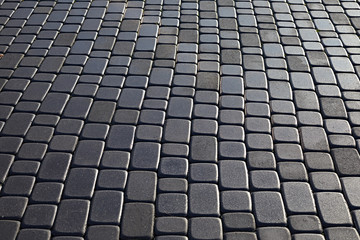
{"x":175,"y":120}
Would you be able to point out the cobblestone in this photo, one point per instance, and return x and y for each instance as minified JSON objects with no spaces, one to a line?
{"x":179,"y":120}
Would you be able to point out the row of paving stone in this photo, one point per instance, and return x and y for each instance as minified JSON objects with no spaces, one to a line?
{"x":180,"y":120}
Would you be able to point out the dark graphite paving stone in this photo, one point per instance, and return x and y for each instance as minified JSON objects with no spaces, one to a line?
{"x":179,"y":120}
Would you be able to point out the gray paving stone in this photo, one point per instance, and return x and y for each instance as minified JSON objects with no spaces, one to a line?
{"x":203,"y":172}
{"x":106,"y":207}
{"x":145,"y":156}
{"x":305,"y":224}
{"x":6,"y":162}
{"x":9,"y":228}
{"x":177,"y":130}
{"x":336,"y":215}
{"x":298,"y":198}
{"x":203,"y":149}
{"x":292,"y":171}
{"x":115,"y":159}
{"x":264,"y":214}
{"x":232,"y":150}
{"x":172,"y":204}
{"x":325,"y":181}
{"x":80,"y":183}
{"x":12,"y":207}
{"x":69,"y":224}
{"x":314,"y":139}
{"x":264,"y":180}
{"x":346,"y":161}
{"x":238,"y":221}
{"x":39,"y":215}
{"x":47,"y":192}
{"x":141,"y":186}
{"x":69,"y":126}
{"x":171,"y":225}
{"x":288,"y":152}
{"x":229,"y":177}
{"x":203,"y":200}
{"x":18,"y":124}
{"x":267,"y":233}
{"x":173,"y":167}
{"x":125,"y":133}
{"x":333,"y":108}
{"x":350,"y":187}
{"x":101,"y":231}
{"x":341,"y":232}
{"x":40,"y":234}
{"x":177,"y":185}
{"x":258,"y":141}
{"x":142,"y":214}
{"x":205,"y":228}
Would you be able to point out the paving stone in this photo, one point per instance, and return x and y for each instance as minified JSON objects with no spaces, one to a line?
{"x":292,"y":171}
{"x":125,"y":116}
{"x":54,"y":103}
{"x":264,"y":180}
{"x":298,"y":198}
{"x":203,"y":149}
{"x":12,"y":207}
{"x":9,"y":229}
{"x":47,"y":192}
{"x":115,"y":159}
{"x":238,"y":222}
{"x":40,"y":234}
{"x":171,"y":225}
{"x":25,"y":167}
{"x":173,"y":167}
{"x":336,"y":215}
{"x":172,"y":204}
{"x":18,"y":124}
{"x":325,"y":181}
{"x":350,"y":187}
{"x":106,"y":207}
{"x":257,"y":141}
{"x":70,"y":224}
{"x":177,"y":130}
{"x":253,"y":124}
{"x":341,"y":232}
{"x":63,"y":143}
{"x":88,"y":153}
{"x":264,"y":214}
{"x":6,"y":162}
{"x":204,"y":127}
{"x":333,"y":108}
{"x":261,"y":160}
{"x":142,"y":154}
{"x":205,"y":228}
{"x":142,"y":214}
{"x":39,"y":215}
{"x":229,"y":177}
{"x":80,"y":183}
{"x":314,"y":139}
{"x":103,"y":231}
{"x":232,"y":150}
{"x":125,"y":133}
{"x":234,"y":201}
{"x":346,"y":161}
{"x":203,"y":200}
{"x":267,"y":233}
{"x":177,"y":185}
{"x":288,"y":152}
{"x":240,"y":235}
{"x":203,"y":172}
{"x":306,"y":100}
{"x":305,"y":224}
{"x":141,"y":186}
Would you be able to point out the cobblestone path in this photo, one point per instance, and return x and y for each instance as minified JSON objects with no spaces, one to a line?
{"x":180,"y":119}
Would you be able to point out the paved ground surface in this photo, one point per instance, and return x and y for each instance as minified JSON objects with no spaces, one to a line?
{"x":179,"y":120}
